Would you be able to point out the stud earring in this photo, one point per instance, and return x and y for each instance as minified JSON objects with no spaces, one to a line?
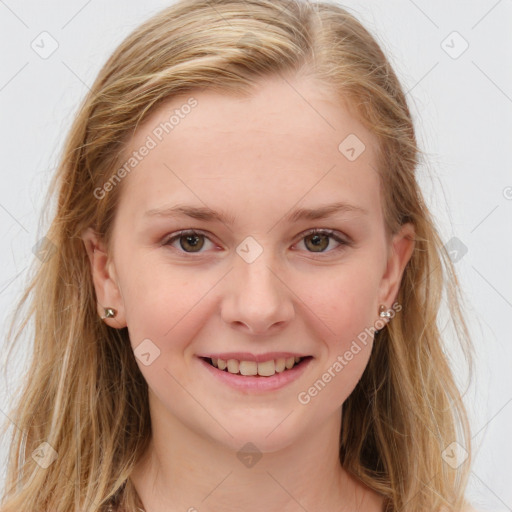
{"x":109,"y":313}
{"x":384,"y":312}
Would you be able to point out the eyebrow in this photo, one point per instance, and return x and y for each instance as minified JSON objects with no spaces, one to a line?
{"x":207,"y":214}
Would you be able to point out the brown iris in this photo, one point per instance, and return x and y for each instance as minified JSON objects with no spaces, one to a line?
{"x":193,"y":242}
{"x":317,"y":242}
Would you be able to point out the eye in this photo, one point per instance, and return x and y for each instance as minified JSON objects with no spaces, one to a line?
{"x":190,"y":241}
{"x":319,"y":239}
{"x":315,"y":240}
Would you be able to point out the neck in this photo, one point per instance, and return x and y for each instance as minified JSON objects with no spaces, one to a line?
{"x":184,"y":470}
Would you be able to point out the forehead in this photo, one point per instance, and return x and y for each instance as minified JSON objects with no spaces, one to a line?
{"x":291,"y":139}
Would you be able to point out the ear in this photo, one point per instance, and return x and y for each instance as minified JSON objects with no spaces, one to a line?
{"x":400,"y":252}
{"x":104,"y":278}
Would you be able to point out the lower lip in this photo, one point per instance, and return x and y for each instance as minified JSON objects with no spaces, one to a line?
{"x":256,"y":383}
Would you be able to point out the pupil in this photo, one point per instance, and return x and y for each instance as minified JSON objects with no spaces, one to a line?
{"x":317,"y":241}
{"x":193,"y":241}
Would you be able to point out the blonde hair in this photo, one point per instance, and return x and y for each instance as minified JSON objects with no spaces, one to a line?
{"x":86,"y":396}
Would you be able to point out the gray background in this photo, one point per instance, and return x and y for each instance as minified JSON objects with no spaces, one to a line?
{"x":462,"y":105}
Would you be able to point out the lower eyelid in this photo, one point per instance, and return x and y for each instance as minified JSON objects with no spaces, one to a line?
{"x":168,"y":240}
{"x":330,"y":234}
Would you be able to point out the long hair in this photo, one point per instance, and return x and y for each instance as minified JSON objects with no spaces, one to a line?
{"x":86,"y":398}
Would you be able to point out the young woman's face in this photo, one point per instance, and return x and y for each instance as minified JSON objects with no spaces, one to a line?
{"x":253,"y":284}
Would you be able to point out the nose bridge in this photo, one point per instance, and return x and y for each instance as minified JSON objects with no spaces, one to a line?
{"x":257,"y":297}
{"x":255,"y":268}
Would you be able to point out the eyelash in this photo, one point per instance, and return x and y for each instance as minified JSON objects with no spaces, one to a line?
{"x":315,"y":231}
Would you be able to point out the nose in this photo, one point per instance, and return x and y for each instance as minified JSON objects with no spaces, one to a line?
{"x":256,"y":300}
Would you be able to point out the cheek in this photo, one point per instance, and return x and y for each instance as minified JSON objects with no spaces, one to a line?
{"x":335,"y":381}
{"x":345,"y":314}
{"x":163,"y":303}
{"x":343,"y":301}
{"x":345,"y":354}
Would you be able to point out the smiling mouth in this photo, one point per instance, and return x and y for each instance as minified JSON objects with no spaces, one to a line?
{"x":252,"y":368}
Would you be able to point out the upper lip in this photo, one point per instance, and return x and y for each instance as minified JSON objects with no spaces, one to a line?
{"x":247,"y":356}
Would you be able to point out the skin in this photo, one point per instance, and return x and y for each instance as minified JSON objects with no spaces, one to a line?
{"x":257,"y":158}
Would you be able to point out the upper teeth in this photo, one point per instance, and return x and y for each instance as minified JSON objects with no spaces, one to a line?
{"x":264,"y":369}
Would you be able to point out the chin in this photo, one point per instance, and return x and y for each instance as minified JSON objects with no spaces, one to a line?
{"x":257,"y":441}
{"x":268,"y":430}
